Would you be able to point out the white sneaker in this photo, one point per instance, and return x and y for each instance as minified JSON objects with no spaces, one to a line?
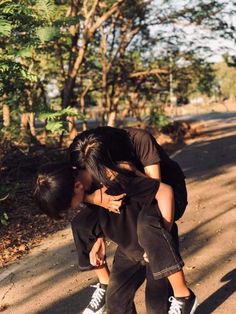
{"x":186,"y":305}
{"x":97,"y":303}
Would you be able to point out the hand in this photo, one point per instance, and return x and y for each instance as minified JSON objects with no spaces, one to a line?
{"x":98,"y":253}
{"x":110,"y":202}
{"x":145,"y":257}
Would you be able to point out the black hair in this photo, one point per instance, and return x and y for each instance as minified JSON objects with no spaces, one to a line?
{"x":54,"y":188}
{"x":98,"y":149}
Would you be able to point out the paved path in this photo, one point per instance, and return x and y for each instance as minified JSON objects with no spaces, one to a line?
{"x":47,"y":280}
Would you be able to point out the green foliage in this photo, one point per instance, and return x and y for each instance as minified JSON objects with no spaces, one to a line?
{"x":225,"y":77}
{"x":56,"y":120}
{"x":3,"y":218}
{"x":53,"y":115}
{"x":47,"y":33}
{"x":5,"y":27}
{"x":27,"y":28}
{"x":230,"y":60}
{"x":45,"y":9}
{"x":191,"y":75}
{"x":3,"y":197}
{"x":40,"y":42}
{"x":56,"y":127}
{"x":157,"y":118}
{"x":206,"y":79}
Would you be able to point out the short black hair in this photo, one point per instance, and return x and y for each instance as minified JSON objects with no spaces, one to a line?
{"x":98,"y":149}
{"x":54,"y":188}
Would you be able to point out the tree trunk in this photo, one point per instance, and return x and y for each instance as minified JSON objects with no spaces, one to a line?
{"x":83,"y":110}
{"x":113,"y":103}
{"x":24,"y":122}
{"x":112,"y":119}
{"x":83,"y":107}
{"x":27,"y":120}
{"x":72,"y":127}
{"x":6,"y":116}
{"x":124,"y":113}
{"x":67,"y":91}
{"x":32,"y":123}
{"x":91,"y":24}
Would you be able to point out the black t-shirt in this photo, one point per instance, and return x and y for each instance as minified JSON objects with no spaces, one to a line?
{"x":148,"y":152}
{"x":122,"y":229}
{"x":140,"y":147}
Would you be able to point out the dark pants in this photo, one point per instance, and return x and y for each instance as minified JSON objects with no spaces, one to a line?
{"x":159,"y":244}
{"x":127,"y":273}
{"x":181,"y":198}
{"x":86,"y":230}
{"x":127,"y":276}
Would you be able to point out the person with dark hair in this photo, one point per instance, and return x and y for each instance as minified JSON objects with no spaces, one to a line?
{"x":134,"y":234}
{"x":54,"y":188}
{"x":98,"y":149}
{"x":102,"y":147}
{"x":108,"y":145}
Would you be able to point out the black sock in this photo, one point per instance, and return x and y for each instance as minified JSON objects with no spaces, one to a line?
{"x":103,"y":286}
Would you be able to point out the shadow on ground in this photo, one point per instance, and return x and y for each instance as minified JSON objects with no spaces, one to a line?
{"x":72,"y":304}
{"x":208,"y":157}
{"x":220,"y":295}
{"x":77,"y":302}
{"x":202,"y":160}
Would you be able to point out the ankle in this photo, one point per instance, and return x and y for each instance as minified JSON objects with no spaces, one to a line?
{"x":182,"y":293}
{"x":103,"y":285}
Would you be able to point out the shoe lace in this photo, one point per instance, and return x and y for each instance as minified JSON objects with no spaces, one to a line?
{"x":97,"y":296}
{"x":175,"y":307}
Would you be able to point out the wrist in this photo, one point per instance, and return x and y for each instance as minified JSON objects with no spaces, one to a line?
{"x":89,"y":198}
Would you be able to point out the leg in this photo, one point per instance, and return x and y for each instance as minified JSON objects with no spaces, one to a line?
{"x":157,"y":291}
{"x":177,"y":280}
{"x":178,"y":284}
{"x":157,"y":242}
{"x":126,"y":277}
{"x":185,"y":305}
{"x":181,"y":199}
{"x":156,"y":294}
{"x":103,"y":274}
{"x":85,"y":229}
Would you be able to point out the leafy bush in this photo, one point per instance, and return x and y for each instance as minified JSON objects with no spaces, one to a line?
{"x":3,"y":218}
{"x":56,"y":119}
{"x":3,"y":214}
{"x":157,"y":118}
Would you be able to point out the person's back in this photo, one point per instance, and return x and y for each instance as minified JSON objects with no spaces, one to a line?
{"x":122,"y":228}
{"x":137,"y":146}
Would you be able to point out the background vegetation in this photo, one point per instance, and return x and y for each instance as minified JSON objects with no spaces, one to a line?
{"x":69,"y":65}
{"x":63,"y":61}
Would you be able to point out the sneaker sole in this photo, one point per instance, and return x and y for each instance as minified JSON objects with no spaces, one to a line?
{"x":195,"y":305}
{"x":98,"y":312}
{"x":101,"y":310}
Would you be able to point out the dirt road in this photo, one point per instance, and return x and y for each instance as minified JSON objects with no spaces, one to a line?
{"x":47,"y":281}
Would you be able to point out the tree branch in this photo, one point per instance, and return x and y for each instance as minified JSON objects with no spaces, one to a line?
{"x":148,"y":72}
{"x":104,"y":17}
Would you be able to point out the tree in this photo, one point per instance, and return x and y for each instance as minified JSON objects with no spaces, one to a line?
{"x":104,"y":52}
{"x":83,"y":33}
{"x":20,"y":81}
{"x":225,"y":76}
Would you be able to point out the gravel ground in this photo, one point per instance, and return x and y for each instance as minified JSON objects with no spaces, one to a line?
{"x":47,"y":281}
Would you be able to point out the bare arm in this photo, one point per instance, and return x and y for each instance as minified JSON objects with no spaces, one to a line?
{"x":153,"y":171}
{"x":101,"y":198}
{"x":164,"y":196}
{"x":97,"y":254}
